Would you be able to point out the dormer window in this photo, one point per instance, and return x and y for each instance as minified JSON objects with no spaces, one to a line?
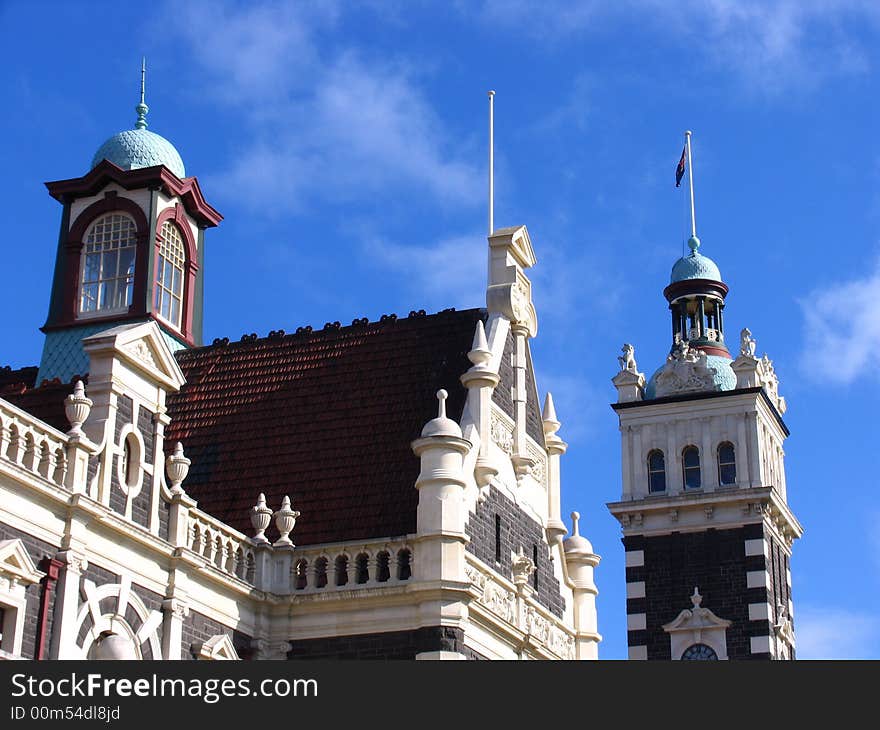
{"x":169,"y":275}
{"x":107,"y":281}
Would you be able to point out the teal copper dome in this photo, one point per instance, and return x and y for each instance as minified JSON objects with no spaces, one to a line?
{"x":136,"y":148}
{"x":694,"y":265}
{"x":724,"y":376}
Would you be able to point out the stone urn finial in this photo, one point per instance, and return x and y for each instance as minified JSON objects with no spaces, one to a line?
{"x":285,"y":519}
{"x":77,"y":408}
{"x":261,"y":516}
{"x":177,"y":466}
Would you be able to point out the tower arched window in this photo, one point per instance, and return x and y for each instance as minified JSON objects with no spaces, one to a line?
{"x":168,"y":298}
{"x":656,"y":471}
{"x":691,"y":461}
{"x":726,"y":464}
{"x":107,"y":278}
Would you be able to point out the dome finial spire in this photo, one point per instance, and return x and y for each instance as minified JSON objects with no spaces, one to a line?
{"x":142,"y":108}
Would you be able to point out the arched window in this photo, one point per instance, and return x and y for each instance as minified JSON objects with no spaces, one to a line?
{"x":656,"y":471}
{"x":726,"y":464}
{"x":691,"y":461}
{"x":107,"y":279}
{"x":169,"y":275}
{"x":699,"y":652}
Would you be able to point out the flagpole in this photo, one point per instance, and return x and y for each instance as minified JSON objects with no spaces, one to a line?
{"x":687,"y":141}
{"x":491,"y":162}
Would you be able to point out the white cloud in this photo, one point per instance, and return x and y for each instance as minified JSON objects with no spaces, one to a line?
{"x":835,"y":633}
{"x":449,"y":272}
{"x":325,"y":121}
{"x":842,"y":328}
{"x":771,"y":44}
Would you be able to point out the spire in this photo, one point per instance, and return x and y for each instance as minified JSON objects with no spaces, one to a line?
{"x":142,"y":108}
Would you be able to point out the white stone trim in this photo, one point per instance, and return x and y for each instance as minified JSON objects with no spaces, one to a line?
{"x":218,"y":648}
{"x":758,"y":579}
{"x":635,"y":558}
{"x":440,"y":656}
{"x":760,"y":645}
{"x":636,"y":621}
{"x":638,"y":653}
{"x":759,"y":612}
{"x":758,"y":546}
{"x":635,"y":590}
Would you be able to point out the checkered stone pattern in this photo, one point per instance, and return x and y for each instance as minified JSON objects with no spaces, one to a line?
{"x":730,"y":567}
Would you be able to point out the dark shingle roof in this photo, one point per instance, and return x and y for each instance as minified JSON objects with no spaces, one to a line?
{"x":326,"y":417}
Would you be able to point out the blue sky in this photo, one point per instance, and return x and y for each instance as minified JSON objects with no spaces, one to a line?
{"x":345,"y":144}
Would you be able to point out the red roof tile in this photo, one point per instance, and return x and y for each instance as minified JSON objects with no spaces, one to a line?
{"x":326,"y":417}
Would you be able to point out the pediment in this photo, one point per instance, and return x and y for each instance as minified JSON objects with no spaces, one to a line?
{"x":16,"y":563}
{"x":143,"y":348}
{"x":516,"y":240}
{"x":218,"y":648}
{"x":698,"y":618}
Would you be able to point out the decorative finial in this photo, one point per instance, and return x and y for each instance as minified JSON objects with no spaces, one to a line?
{"x":261,"y":516}
{"x":480,"y":354}
{"x":549,"y":420}
{"x":77,"y":408}
{"x":177,"y":466}
{"x":696,"y":599}
{"x":442,"y":395}
{"x":285,"y":520}
{"x":142,"y":108}
{"x":575,"y":518}
{"x":693,"y":244}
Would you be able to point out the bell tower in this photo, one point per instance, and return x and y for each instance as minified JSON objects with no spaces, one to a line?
{"x":706,"y":525}
{"x":130,"y":248}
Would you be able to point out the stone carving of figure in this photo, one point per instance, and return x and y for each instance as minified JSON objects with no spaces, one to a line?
{"x":628,"y":359}
{"x":746,"y":343}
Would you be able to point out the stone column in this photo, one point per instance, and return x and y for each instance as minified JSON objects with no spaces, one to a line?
{"x":64,"y":627}
{"x":174,"y":612}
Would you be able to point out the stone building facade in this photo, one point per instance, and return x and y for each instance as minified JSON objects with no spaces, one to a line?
{"x":384,"y":489}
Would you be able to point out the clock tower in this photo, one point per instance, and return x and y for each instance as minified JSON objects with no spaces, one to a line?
{"x":706,"y":525}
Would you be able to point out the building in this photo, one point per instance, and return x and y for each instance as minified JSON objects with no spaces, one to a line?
{"x":706,"y":525}
{"x":382,"y":489}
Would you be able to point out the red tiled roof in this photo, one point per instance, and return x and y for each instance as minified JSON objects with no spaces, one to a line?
{"x":326,"y":417}
{"x":17,"y":380}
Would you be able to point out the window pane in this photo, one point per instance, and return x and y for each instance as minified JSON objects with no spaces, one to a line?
{"x":725,"y":453}
{"x":691,"y":457}
{"x":92,"y":267}
{"x":727,"y":474}
{"x":655,"y":461}
{"x":175,"y":310}
{"x":692,"y":478}
{"x":657,"y":481}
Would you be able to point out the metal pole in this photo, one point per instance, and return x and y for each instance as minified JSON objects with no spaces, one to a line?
{"x":687,"y":140}
{"x":491,"y":162}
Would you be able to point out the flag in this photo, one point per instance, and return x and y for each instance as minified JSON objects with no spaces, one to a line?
{"x":679,"y":171}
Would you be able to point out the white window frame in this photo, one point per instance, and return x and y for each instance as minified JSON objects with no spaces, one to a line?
{"x":163,"y":290}
{"x":17,"y":572}
{"x":107,"y":311}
